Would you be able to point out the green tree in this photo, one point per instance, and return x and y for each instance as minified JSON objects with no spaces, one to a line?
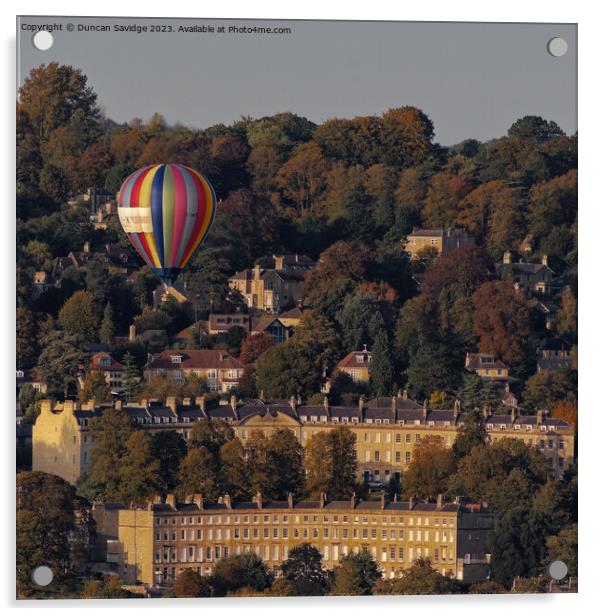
{"x":50,"y":527}
{"x":544,"y":390}
{"x":198,"y":474}
{"x":420,"y":579}
{"x":234,"y":472}
{"x":60,"y":362}
{"x":567,"y":319}
{"x":381,"y":367}
{"x":284,"y":461}
{"x":304,"y":571}
{"x":27,"y":344}
{"x":131,"y":377}
{"x":169,"y":448}
{"x":563,"y":546}
{"x":535,"y":128}
{"x":78,"y":316}
{"x":240,"y":571}
{"x":504,"y":474}
{"x":518,"y":545}
{"x":356,"y":575}
{"x":472,"y":433}
{"x":106,"y":333}
{"x":189,"y":585}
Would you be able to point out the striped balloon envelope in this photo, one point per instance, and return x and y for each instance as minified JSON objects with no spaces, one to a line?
{"x":167,"y":211}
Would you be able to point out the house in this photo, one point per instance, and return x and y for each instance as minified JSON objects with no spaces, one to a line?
{"x":292,"y":317}
{"x":487,"y":366}
{"x":190,"y":335}
{"x":554,"y":354}
{"x":443,"y":241}
{"x":357,"y":365}
{"x":31,"y":377}
{"x":221,"y":323}
{"x":532,"y":277}
{"x":181,"y":294}
{"x":273,"y":326}
{"x":272,"y":290}
{"x":548,"y":311}
{"x":221,"y":371}
{"x":111,"y":369}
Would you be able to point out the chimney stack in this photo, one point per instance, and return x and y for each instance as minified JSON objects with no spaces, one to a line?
{"x":514,"y":414}
{"x":382,"y":501}
{"x":486,"y":411}
{"x":197,"y":499}
{"x":360,"y":404}
{"x":507,"y":257}
{"x":170,"y":500}
{"x":411,"y":502}
{"x":258,"y":500}
{"x":227,"y":501}
{"x":86,"y":247}
{"x":293,"y":402}
{"x":326,"y":402}
{"x":200,"y":402}
{"x":353,"y":501}
{"x":394,"y":404}
{"x":457,"y":408}
{"x":544,"y":260}
{"x":440,"y":501}
{"x":322,"y":500}
{"x":233,"y":405}
{"x":132,"y":335}
{"x":172,"y":403}
{"x":404,"y":394}
{"x":540,"y":417}
{"x":118,"y":405}
{"x":425,"y":408}
{"x":291,"y":502}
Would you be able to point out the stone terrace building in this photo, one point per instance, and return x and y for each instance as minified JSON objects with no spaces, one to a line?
{"x":154,"y":545}
{"x":386,"y":429}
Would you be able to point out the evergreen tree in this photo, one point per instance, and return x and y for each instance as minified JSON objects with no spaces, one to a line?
{"x":131,"y":377}
{"x":381,"y":368}
{"x":106,"y":333}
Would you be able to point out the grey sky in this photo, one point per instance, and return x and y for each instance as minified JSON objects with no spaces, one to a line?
{"x":473,"y":80}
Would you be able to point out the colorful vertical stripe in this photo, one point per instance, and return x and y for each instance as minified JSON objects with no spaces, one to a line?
{"x":181,"y":207}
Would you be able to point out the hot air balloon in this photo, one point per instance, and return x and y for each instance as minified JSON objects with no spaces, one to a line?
{"x":167,"y":211}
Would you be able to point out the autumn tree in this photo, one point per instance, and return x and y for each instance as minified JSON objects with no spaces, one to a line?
{"x":302,"y":179}
{"x":78,"y":316}
{"x":94,"y":387}
{"x":110,"y":433}
{"x":444,"y":192}
{"x":567,"y":411}
{"x":331,"y":464}
{"x":254,"y":345}
{"x":501,"y":321}
{"x":190,"y":585}
{"x":431,"y":466}
{"x":492,"y":212}
{"x":234,"y":470}
{"x":140,"y":478}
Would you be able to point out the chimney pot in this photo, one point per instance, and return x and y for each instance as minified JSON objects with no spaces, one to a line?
{"x":197,"y":499}
{"x":171,"y":500}
{"x":291,"y":502}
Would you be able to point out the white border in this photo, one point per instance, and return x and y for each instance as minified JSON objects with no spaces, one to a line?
{"x":590,"y":217}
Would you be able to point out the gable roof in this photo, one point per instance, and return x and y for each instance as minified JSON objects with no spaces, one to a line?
{"x":202,"y":359}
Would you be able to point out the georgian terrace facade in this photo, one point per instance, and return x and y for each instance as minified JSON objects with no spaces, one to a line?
{"x":153,"y":545}
{"x":386,"y":429}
